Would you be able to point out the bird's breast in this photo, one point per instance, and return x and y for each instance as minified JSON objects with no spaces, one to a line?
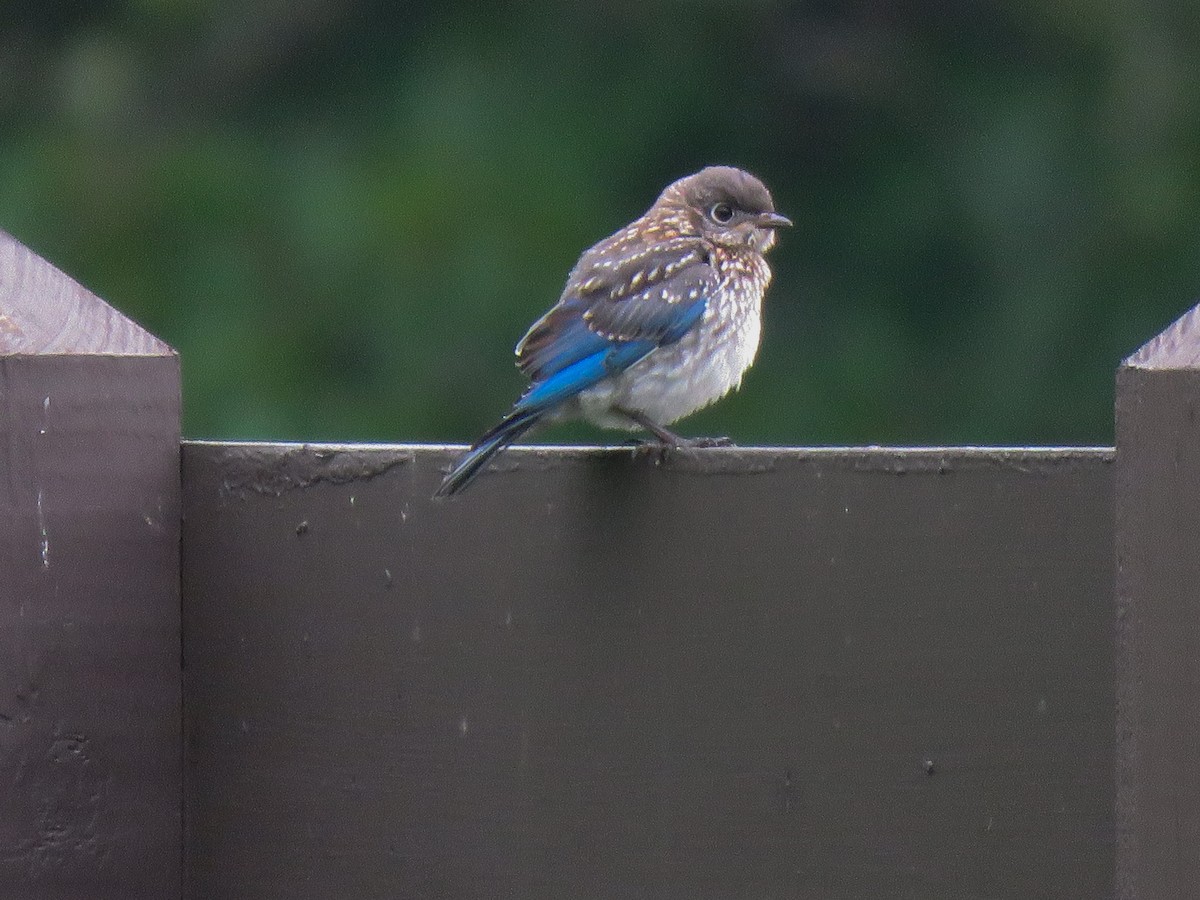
{"x":700,"y":368}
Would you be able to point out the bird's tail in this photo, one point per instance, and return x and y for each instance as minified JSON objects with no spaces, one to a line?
{"x":467,"y":468}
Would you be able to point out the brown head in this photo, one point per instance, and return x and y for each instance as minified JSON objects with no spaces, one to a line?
{"x":726,"y":205}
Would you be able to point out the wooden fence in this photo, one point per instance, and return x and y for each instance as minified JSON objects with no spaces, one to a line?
{"x":263,"y":670}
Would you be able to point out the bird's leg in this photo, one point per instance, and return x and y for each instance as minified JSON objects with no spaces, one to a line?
{"x":668,"y":439}
{"x":664,"y":436}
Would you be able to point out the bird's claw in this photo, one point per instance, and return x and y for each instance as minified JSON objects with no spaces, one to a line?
{"x":663,"y":450}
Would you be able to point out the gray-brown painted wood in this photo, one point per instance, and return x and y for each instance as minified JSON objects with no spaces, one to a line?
{"x":746,"y":673}
{"x":90,"y":768}
{"x":1158,"y":617}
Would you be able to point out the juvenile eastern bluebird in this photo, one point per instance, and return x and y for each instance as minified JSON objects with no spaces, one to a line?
{"x":655,"y":322}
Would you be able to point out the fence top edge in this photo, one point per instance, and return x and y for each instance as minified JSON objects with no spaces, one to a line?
{"x":567,"y":452}
{"x":578,"y":449}
{"x":256,"y":467}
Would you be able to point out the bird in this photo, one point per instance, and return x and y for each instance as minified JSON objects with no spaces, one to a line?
{"x":655,"y":322}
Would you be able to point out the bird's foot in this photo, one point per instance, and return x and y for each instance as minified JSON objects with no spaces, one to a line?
{"x":651,"y":448}
{"x":663,"y":450}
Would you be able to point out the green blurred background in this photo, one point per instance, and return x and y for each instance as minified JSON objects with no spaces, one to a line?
{"x":345,"y":213}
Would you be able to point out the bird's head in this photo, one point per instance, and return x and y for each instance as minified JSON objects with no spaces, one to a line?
{"x":726,"y":205}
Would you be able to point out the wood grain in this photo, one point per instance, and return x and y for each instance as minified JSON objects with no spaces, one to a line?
{"x":43,"y":311}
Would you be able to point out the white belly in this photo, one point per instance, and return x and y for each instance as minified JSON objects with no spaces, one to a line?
{"x":681,"y":378}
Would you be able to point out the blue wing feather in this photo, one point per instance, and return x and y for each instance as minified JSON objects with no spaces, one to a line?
{"x":615,"y":310}
{"x":582,"y":374}
{"x":572,"y":341}
{"x":660,"y":301}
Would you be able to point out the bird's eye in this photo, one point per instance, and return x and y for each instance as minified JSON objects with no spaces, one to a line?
{"x":721,"y":213}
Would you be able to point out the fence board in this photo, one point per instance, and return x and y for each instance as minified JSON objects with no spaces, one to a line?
{"x":746,"y":673}
{"x":90,"y":768}
{"x":1158,"y":621}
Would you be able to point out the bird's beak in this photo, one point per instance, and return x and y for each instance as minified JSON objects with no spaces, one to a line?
{"x":773,"y":220}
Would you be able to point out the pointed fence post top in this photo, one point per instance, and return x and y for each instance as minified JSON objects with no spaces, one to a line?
{"x":1157,"y":627}
{"x":1176,"y":347}
{"x":90,"y":677}
{"x":46,"y":312}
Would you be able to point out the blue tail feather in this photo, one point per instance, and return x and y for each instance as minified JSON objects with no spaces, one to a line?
{"x":541,"y":397}
{"x":468,"y":468}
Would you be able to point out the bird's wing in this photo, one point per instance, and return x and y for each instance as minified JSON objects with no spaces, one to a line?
{"x":622,"y":303}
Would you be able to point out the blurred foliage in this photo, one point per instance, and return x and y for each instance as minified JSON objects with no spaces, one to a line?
{"x":344,"y":213}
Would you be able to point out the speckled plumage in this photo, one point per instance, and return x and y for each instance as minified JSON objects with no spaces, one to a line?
{"x":655,"y":322}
